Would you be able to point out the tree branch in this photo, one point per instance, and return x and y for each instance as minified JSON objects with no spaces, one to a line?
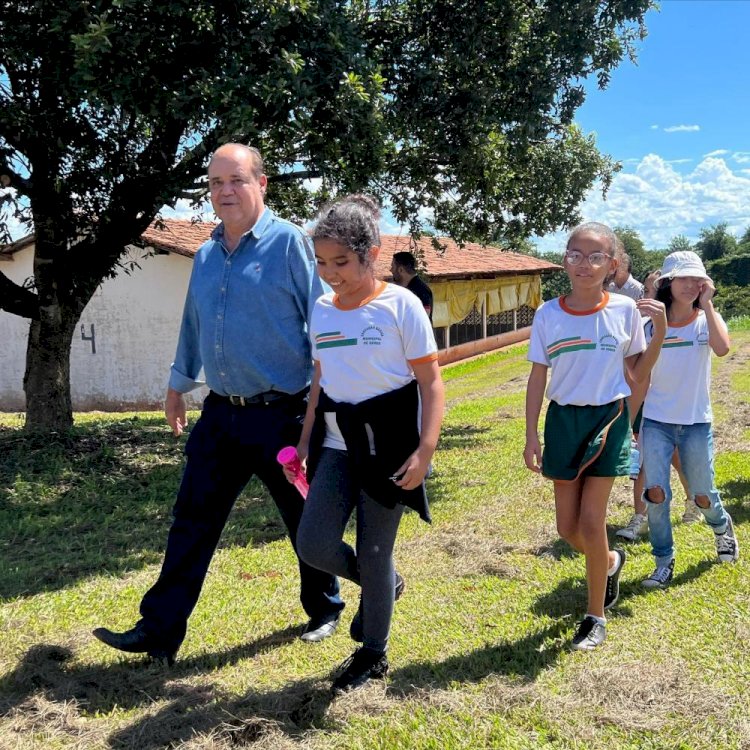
{"x":306,"y":174}
{"x":10,"y":178}
{"x":17,"y":300}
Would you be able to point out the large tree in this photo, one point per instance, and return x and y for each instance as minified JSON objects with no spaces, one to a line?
{"x":635,"y":248}
{"x":458,"y":110}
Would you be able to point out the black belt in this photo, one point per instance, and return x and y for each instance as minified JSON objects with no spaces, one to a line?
{"x":260,"y":399}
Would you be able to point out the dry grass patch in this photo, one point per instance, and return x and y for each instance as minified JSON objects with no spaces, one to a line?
{"x":641,"y":696}
{"x":735,"y":412}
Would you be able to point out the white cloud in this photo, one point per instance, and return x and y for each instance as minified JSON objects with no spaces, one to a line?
{"x":682,"y":129}
{"x":741,"y":157}
{"x":659,"y":202}
{"x":718,"y":152}
{"x":654,"y":127}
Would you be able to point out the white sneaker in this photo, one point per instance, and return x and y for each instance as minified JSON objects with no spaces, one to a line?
{"x":637,"y":525}
{"x":727,"y":546}
{"x":692,"y":512}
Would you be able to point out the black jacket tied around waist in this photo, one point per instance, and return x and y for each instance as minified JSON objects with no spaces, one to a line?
{"x":392,"y":420}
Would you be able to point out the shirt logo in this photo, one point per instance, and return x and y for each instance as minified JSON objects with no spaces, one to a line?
{"x":333,"y":338}
{"x":372,"y":336}
{"x":572,"y":344}
{"x":672,"y":342}
{"x":702,"y":339}
{"x":608,"y":343}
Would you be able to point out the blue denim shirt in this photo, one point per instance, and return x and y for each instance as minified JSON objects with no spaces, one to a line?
{"x":246,"y":313}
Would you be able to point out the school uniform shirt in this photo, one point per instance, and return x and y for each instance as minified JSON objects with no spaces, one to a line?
{"x":681,"y":378}
{"x":585,"y":349}
{"x":368,"y":350}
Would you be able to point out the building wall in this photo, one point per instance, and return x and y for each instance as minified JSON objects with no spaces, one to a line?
{"x":125,"y":341}
{"x":134,"y":320}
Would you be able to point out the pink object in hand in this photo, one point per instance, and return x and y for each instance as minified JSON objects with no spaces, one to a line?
{"x":289,"y":459}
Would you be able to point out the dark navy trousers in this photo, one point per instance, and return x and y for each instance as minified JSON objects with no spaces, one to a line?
{"x":226,"y":447}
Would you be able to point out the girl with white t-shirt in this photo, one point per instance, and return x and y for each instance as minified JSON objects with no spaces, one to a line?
{"x":587,"y":339}
{"x":372,"y":424}
{"x":677,"y":411}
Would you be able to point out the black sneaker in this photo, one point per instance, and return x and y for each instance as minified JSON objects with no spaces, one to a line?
{"x":355,"y":629}
{"x":612,"y":594}
{"x":661,"y":577}
{"x":590,"y":634}
{"x":727,"y":546}
{"x":363,"y":665}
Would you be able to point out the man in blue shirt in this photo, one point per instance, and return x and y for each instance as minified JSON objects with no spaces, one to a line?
{"x":245,"y":324}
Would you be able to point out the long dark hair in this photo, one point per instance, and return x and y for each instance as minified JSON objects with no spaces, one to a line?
{"x":664,"y":294}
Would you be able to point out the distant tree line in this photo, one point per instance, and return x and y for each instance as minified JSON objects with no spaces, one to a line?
{"x":726,"y":256}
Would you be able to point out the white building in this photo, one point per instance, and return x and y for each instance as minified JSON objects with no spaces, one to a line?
{"x":126,"y":339}
{"x":124,"y":343}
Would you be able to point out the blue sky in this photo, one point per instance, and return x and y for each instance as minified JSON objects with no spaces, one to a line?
{"x":679,"y":121}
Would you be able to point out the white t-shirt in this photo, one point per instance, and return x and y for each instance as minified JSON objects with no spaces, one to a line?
{"x":367,"y":351}
{"x":681,"y":378}
{"x":585,"y":349}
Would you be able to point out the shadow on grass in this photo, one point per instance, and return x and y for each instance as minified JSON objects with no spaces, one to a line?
{"x":303,"y":705}
{"x":99,"y":500}
{"x":132,"y":683}
{"x":570,"y":595}
{"x":201,"y":709}
{"x":461,"y":436}
{"x":735,"y":496}
{"x":557,"y":550}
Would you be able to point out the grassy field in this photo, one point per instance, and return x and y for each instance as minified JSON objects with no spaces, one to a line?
{"x":479,"y":648}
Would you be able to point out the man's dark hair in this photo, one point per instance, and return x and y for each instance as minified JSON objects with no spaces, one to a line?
{"x":406,"y":260}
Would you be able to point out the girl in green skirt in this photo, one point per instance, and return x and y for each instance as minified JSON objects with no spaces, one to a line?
{"x":587,"y":339}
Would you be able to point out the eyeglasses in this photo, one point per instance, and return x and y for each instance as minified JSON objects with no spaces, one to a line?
{"x":596,"y":260}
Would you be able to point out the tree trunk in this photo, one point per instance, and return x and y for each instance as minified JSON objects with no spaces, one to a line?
{"x":47,"y":378}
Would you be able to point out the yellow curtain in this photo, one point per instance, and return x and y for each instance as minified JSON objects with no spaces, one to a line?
{"x":454,"y":300}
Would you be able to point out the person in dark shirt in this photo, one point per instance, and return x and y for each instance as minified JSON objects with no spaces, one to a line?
{"x":404,"y":271}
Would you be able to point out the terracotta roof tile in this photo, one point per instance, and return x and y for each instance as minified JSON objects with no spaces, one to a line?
{"x":471,"y":261}
{"x":176,"y":236}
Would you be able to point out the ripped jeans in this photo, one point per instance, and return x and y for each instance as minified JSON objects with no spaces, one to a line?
{"x":695,"y":444}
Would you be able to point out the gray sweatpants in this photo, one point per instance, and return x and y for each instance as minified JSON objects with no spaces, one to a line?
{"x":330,"y":503}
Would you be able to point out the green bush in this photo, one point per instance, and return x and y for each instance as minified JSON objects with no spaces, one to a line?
{"x":731,"y":271}
{"x":732,"y":301}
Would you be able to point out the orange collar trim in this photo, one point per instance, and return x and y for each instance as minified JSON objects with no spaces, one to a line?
{"x":687,"y":322}
{"x":570,"y":311}
{"x":378,"y":291}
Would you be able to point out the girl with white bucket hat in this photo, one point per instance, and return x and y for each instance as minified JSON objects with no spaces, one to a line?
{"x":677,"y":411}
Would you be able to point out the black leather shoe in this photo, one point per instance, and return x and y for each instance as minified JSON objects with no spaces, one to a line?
{"x":355,"y":628}
{"x":317,"y":631}
{"x":136,"y":641}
